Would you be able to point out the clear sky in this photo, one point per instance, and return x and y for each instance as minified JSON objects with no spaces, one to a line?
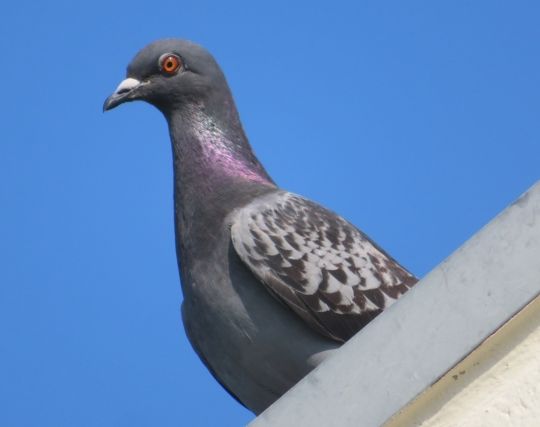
{"x":418,"y":121}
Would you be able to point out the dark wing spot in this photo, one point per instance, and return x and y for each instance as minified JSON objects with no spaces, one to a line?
{"x":333,"y":299}
{"x":323,"y":286}
{"x":254,"y":262}
{"x":260,"y":247}
{"x":298,"y":264}
{"x":377,"y":274}
{"x":375,"y":296}
{"x":278,"y":241}
{"x":290,"y":240}
{"x":275,"y":262}
{"x":359,"y":299}
{"x":294,"y":278}
{"x":339,"y":274}
{"x":374,"y":260}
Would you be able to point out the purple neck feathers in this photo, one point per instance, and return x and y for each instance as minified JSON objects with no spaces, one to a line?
{"x":204,"y":148}
{"x":215,"y":169}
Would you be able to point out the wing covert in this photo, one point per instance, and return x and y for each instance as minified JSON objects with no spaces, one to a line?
{"x":321,"y":266}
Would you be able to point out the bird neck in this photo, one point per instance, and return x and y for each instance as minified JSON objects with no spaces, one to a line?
{"x":215,"y":169}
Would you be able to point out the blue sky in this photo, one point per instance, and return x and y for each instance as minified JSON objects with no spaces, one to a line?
{"x":418,"y":121}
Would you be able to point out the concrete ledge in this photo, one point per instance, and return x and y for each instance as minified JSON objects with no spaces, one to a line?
{"x":433,"y":327}
{"x":496,"y":385}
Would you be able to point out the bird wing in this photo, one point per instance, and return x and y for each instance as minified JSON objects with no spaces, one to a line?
{"x":321,"y":266}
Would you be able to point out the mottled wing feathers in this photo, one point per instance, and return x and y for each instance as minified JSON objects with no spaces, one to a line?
{"x":317,"y":263}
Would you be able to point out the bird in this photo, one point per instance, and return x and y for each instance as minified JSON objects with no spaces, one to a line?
{"x":272,"y":282}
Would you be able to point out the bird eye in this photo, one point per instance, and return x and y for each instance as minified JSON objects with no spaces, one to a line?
{"x":170,"y":63}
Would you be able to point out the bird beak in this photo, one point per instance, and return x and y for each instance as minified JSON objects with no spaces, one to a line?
{"x":123,"y":93}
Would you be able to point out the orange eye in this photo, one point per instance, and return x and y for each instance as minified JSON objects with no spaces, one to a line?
{"x":170,"y":63}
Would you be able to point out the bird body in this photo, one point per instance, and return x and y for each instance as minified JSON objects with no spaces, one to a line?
{"x":231,"y":322}
{"x":272,"y":282}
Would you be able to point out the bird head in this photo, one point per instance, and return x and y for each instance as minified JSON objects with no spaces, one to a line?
{"x":186,"y":84}
{"x":168,"y":74}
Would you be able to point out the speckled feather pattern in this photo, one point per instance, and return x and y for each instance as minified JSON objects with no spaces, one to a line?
{"x":316,"y":262}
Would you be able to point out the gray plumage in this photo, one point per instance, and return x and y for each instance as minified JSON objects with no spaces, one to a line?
{"x":272,"y":282}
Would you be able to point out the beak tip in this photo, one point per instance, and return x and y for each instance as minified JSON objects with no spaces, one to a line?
{"x":109,"y":104}
{"x":121,"y":94}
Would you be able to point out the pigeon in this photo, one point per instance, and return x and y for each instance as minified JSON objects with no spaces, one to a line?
{"x":273,"y":283}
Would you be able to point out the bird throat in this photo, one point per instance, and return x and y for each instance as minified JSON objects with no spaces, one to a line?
{"x":217,"y":151}
{"x":214,"y":166}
